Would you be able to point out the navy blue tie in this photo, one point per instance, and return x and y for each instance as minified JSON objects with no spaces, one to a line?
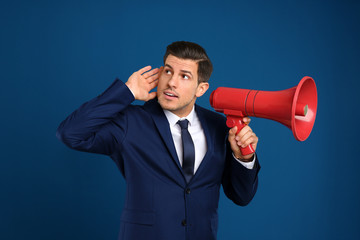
{"x":188,"y":150}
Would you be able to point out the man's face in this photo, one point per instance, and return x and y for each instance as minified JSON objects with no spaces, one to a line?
{"x":178,"y":86}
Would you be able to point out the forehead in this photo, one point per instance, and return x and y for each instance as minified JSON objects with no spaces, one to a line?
{"x":182,"y":64}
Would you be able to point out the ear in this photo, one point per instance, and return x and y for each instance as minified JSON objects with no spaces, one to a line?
{"x":201,"y":89}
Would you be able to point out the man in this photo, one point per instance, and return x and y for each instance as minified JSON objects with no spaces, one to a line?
{"x":173,"y":167}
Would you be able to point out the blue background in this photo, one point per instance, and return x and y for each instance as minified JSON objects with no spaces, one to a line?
{"x":56,"y":55}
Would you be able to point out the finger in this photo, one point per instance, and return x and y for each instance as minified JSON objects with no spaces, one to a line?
{"x":251,"y":140}
{"x":144,"y":69}
{"x":246,"y":120}
{"x":153,"y":84}
{"x":243,"y":131}
{"x":246,"y":135}
{"x":150,"y":73}
{"x":153,"y":78}
{"x":246,"y":139}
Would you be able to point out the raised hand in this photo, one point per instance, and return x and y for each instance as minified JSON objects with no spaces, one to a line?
{"x":143,"y":81}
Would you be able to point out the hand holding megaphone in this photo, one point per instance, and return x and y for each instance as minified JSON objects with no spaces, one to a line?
{"x":239,"y":122}
{"x":243,"y":141}
{"x":295,"y":107}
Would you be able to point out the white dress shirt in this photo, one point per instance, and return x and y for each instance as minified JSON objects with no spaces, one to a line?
{"x":197,"y":134}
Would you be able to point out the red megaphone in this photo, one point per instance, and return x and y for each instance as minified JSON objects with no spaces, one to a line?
{"x":294,"y":107}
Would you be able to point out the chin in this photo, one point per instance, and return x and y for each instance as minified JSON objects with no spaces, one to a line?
{"x":166,"y":106}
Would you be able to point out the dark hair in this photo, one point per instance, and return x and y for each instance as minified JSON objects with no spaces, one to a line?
{"x":193,"y":51}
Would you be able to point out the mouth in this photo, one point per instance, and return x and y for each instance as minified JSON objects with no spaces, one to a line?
{"x":170,"y":95}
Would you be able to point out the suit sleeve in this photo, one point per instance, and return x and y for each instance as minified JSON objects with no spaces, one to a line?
{"x":240,"y":183}
{"x":98,"y":125}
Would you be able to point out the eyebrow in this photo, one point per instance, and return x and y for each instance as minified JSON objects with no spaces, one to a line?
{"x":183,"y":71}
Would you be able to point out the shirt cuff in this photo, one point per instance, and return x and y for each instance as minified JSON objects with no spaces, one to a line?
{"x":248,"y":165}
{"x":131,"y":91}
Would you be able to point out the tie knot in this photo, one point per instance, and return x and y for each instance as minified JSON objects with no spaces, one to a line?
{"x":183,"y":123}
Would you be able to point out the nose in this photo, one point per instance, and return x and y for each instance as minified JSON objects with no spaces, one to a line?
{"x":173,"y":81}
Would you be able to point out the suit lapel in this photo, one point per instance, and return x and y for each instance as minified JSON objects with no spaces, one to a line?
{"x":162,"y":125}
{"x":209,"y":141}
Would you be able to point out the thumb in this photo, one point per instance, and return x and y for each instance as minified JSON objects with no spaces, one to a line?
{"x":233,"y":144}
{"x":232,"y":132}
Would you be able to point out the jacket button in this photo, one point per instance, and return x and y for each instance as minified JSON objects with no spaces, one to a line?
{"x":183,"y":222}
{"x":187,"y":191}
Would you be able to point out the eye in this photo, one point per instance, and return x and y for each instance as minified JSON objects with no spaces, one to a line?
{"x":185,"y":76}
{"x":167,"y":71}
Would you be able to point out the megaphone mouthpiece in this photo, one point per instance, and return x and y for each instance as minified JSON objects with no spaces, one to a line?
{"x":301,"y":109}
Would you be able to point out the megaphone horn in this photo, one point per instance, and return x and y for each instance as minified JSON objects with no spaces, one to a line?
{"x":294,"y":107}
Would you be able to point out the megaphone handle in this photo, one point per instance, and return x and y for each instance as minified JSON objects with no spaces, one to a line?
{"x":232,"y":121}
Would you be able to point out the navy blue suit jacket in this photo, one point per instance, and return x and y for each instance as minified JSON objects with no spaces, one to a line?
{"x":159,"y":204}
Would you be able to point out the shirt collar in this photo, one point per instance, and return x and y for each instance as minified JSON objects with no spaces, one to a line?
{"x":173,"y":118}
